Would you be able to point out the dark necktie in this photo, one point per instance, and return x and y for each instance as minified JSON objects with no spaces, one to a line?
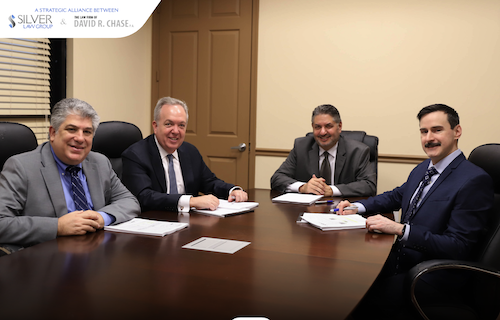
{"x":171,"y":175}
{"x":413,"y":205}
{"x":326,"y":170}
{"x":77,"y":189}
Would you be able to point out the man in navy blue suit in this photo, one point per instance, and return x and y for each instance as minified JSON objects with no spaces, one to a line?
{"x":166,"y":173}
{"x":445,"y":205}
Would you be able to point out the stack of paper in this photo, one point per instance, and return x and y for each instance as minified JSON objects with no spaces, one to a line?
{"x":300,"y":198}
{"x":329,"y":221}
{"x":147,"y":227}
{"x":227,"y":208}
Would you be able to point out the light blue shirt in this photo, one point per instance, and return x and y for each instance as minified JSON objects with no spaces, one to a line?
{"x":66,"y":184}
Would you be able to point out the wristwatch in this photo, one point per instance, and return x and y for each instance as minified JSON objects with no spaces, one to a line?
{"x":402,"y":232}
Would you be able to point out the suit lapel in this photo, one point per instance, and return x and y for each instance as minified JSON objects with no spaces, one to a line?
{"x":52,"y":180}
{"x":442,"y":177}
{"x":341,"y":159}
{"x":156,"y":162}
{"x":314,"y":159}
{"x":94,"y":182}
{"x":187,"y":175}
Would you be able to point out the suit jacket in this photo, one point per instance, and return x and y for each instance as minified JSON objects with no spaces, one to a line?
{"x":32,"y":196}
{"x":144,"y":175}
{"x":353,"y":174}
{"x":450,"y":219}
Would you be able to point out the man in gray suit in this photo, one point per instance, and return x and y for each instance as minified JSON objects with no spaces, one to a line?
{"x":347,"y":171}
{"x":62,"y":188}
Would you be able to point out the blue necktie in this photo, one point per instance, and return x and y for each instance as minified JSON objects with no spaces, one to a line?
{"x":77,"y":188}
{"x":171,"y":175}
{"x":413,"y":205}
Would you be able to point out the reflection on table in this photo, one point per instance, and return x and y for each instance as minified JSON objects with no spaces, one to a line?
{"x":289,"y":271}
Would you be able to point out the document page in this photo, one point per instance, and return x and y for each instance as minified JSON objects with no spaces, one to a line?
{"x":330,"y":221}
{"x":216,"y":245}
{"x":300,"y":198}
{"x":147,"y":227}
{"x":227,"y":208}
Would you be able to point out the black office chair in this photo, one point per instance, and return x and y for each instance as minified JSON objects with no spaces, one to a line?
{"x":112,"y":138}
{"x":15,"y":138}
{"x":370,"y":141}
{"x":480,"y":298}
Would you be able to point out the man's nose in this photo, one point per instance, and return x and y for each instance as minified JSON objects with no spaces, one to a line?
{"x":78,"y":136}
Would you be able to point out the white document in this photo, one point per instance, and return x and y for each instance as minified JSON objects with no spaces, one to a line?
{"x":147,"y":227}
{"x":227,"y":208}
{"x":329,"y":221}
{"x":300,"y":198}
{"x":216,"y":245}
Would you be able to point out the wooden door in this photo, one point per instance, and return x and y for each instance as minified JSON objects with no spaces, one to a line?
{"x":204,"y":58}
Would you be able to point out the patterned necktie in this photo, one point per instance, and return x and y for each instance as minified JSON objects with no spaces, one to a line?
{"x":171,"y":175}
{"x":77,"y":188}
{"x":326,"y":170}
{"x":413,"y":205}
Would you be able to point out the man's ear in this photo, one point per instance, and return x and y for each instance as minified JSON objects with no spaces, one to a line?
{"x":52,"y":133}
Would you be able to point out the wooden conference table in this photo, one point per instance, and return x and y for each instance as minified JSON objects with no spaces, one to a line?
{"x":289,"y":271}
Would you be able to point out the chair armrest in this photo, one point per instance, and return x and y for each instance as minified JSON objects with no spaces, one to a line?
{"x":441,"y":264}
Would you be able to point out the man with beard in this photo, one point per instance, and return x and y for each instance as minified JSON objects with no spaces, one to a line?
{"x":346,"y":172}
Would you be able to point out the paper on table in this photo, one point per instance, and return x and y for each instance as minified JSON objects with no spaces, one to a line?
{"x":328,"y":221}
{"x":227,"y":208}
{"x":300,"y":198}
{"x":147,"y":227}
{"x":216,"y":245}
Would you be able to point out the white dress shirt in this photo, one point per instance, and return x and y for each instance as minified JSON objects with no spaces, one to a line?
{"x":294,"y":187}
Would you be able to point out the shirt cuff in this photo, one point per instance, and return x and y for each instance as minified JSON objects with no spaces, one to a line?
{"x":336,"y":191}
{"x":232,"y":189}
{"x":361,"y":207}
{"x":108,"y":218}
{"x":183,"y":204}
{"x":406,"y":234}
{"x":294,"y":187}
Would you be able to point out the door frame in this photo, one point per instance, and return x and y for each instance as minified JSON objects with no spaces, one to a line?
{"x":155,"y":78}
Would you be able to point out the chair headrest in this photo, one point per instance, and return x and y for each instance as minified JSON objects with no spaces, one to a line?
{"x":113,"y":137}
{"x":487,"y":157}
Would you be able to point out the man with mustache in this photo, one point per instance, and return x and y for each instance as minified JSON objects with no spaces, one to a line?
{"x":61,"y":188}
{"x":166,"y":173}
{"x":445,"y":203}
{"x":346,"y":172}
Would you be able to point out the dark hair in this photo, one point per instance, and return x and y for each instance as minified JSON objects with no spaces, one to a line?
{"x":453,"y":118}
{"x":326,"y":109}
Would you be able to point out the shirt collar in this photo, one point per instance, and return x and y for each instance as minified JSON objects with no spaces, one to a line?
{"x":332,"y":151}
{"x":164,"y":153}
{"x":445,"y":162}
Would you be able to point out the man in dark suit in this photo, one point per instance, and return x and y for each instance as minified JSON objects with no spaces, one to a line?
{"x":38,"y":197}
{"x":445,"y":204}
{"x":166,"y":173}
{"x":347,"y":171}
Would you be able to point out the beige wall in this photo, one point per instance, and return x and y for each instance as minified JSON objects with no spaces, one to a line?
{"x":379,"y":62}
{"x":114,"y":76}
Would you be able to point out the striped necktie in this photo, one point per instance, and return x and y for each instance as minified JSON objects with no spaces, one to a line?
{"x":413,"y":205}
{"x":79,"y":196}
